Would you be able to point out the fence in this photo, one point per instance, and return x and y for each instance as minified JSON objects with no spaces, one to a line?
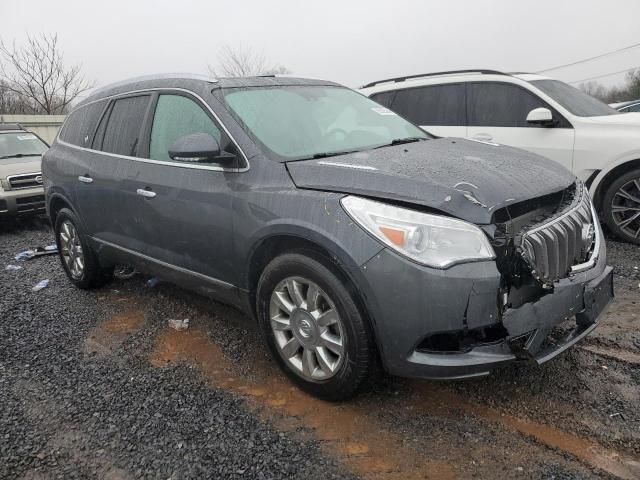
{"x":46,"y":126}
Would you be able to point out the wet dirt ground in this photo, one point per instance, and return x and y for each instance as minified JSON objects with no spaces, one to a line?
{"x":95,"y":384}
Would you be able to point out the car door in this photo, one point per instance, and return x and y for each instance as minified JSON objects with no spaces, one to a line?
{"x":438,"y":109}
{"x":497,"y":112}
{"x":182,"y":210}
{"x":116,"y":145}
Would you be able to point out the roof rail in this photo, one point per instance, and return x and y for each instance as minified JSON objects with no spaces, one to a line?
{"x":434,"y":74}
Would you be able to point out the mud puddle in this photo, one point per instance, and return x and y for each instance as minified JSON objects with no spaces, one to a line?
{"x":110,"y":334}
{"x":359,"y":440}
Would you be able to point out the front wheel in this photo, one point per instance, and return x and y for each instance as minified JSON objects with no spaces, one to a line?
{"x":621,"y":207}
{"x":313,"y":327}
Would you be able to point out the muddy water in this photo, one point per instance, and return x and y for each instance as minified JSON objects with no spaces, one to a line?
{"x":355,"y":436}
{"x":356,"y":439}
{"x":109,"y":335}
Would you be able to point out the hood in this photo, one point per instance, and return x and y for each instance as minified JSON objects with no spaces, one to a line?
{"x":18,"y":166}
{"x":465,"y":179}
{"x":625,"y":118}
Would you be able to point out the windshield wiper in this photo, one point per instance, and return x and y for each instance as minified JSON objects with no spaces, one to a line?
{"x":20,"y":155}
{"x":325,"y":155}
{"x":400,"y":141}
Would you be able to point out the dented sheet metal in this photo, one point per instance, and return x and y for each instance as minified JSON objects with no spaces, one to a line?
{"x":455,"y":176}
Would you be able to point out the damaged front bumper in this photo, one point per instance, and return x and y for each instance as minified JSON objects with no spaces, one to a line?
{"x":413,"y":302}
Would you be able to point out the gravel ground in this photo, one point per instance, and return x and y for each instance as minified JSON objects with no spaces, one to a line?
{"x":66,"y":414}
{"x":94,"y":385}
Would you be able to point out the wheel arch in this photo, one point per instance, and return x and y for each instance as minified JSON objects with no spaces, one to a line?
{"x":56,"y":202}
{"x":607,"y":176}
{"x":319,"y":248}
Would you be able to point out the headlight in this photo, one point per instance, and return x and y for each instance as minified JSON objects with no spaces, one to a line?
{"x":431,"y":240}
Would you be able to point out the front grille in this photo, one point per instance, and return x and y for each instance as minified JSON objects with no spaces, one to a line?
{"x":28,"y":180}
{"x":554,"y":247}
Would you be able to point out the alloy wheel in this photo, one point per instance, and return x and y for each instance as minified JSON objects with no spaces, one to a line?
{"x":71,"y":249}
{"x":308,"y":330}
{"x":625,"y":208}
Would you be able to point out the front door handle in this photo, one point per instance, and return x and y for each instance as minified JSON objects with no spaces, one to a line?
{"x":483,"y":137}
{"x":85,"y":179}
{"x":145,"y":193}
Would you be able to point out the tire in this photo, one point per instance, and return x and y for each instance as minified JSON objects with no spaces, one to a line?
{"x":68,"y":233}
{"x":334,"y":377}
{"x":624,"y":193}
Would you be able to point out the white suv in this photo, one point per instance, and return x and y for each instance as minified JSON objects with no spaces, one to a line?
{"x":600,"y":145}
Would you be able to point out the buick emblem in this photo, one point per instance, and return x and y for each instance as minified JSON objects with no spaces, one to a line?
{"x":38,"y":179}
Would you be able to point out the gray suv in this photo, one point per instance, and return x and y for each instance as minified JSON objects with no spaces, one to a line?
{"x":351,"y":235}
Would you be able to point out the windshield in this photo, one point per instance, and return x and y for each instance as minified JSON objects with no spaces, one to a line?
{"x":574,"y":100}
{"x":20,"y":144}
{"x":301,"y":122}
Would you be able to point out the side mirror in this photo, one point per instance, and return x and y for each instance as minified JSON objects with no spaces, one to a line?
{"x":199,"y":148}
{"x":541,"y":116}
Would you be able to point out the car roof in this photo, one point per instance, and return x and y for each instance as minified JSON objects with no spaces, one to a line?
{"x":624,"y":104}
{"x":190,"y":80}
{"x":447,"y":77}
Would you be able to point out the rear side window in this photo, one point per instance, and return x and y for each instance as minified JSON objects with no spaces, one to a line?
{"x":122,"y":133}
{"x":432,"y":105}
{"x":175,"y":117}
{"x":79,"y":127}
{"x":501,"y":105}
{"x":384,"y":98}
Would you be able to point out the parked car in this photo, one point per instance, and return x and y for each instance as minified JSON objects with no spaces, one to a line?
{"x":624,"y":107}
{"x":21,"y":189}
{"x":350,"y":234}
{"x":538,"y":114}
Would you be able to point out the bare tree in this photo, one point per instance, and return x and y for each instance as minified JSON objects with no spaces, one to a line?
{"x":36,"y":75}
{"x":630,"y":90}
{"x":243,"y":62}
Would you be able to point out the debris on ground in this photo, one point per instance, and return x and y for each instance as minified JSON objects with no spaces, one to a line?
{"x":179,"y":325}
{"x":124,"y":272}
{"x":26,"y":255}
{"x":40,"y":285}
{"x":152,"y":282}
{"x":36,"y":252}
{"x":13,"y":268}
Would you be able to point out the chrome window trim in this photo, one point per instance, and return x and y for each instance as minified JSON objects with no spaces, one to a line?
{"x":164,"y":162}
{"x":166,"y":265}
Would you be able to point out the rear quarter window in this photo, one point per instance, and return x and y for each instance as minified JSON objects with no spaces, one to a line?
{"x":79,"y":127}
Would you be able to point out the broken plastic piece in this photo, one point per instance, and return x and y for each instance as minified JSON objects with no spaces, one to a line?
{"x":13,"y":268}
{"x":51,"y":248}
{"x":26,"y":255}
{"x":40,"y":285}
{"x":152,"y":282}
{"x":179,"y":325}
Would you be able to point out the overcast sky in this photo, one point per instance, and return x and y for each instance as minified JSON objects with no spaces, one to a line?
{"x":351,"y":42}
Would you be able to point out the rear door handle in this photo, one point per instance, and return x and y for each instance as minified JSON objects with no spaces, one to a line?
{"x":483,"y":137}
{"x":145,"y":193}
{"x":85,"y":179}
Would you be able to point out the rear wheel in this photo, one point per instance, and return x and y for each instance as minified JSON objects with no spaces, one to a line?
{"x":76,"y":255}
{"x":313,"y":327}
{"x":621,"y":206}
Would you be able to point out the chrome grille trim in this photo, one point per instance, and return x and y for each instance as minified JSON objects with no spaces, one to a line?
{"x":556,"y":249}
{"x":23,"y":181}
